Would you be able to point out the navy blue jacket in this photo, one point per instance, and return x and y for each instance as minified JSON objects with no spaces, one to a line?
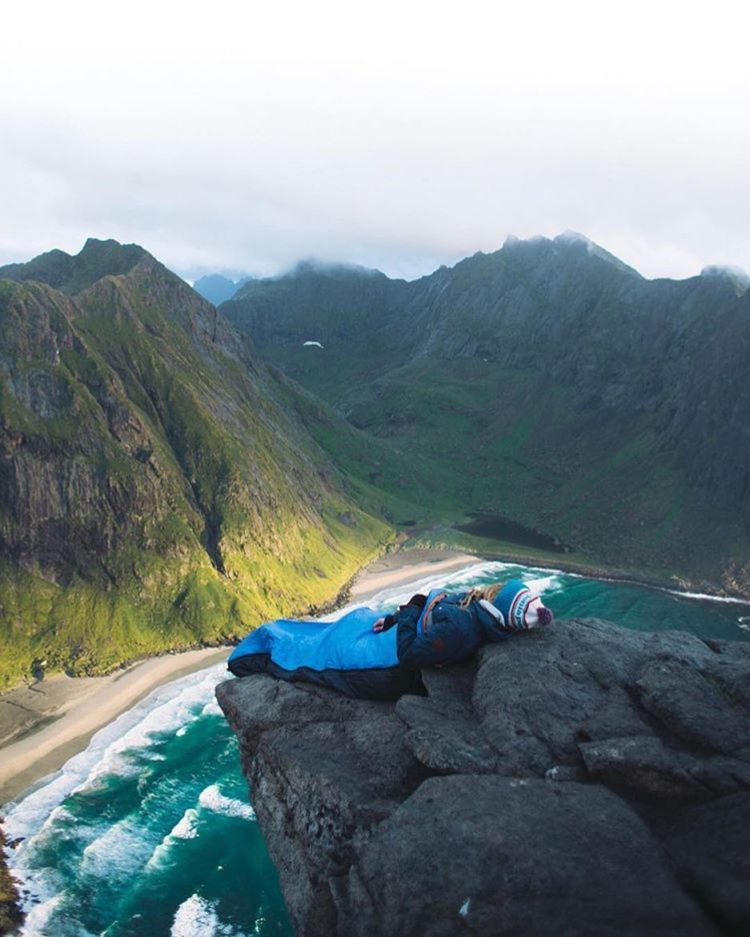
{"x":453,"y":635}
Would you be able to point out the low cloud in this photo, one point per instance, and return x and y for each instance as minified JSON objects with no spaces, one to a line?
{"x":397,"y":140}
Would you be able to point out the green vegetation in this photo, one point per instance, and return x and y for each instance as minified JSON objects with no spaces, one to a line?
{"x":161,"y":487}
{"x":547,"y":383}
{"x":155,"y":492}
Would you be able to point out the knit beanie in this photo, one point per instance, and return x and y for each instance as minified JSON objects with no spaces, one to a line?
{"x":520,"y":607}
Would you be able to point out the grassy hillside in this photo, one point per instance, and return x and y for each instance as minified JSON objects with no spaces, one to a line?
{"x":154,"y":490}
{"x":548,"y":384}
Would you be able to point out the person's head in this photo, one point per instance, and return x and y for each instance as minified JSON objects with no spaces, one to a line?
{"x":519,"y":608}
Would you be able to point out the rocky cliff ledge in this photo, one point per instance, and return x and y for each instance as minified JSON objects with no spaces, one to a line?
{"x":11,"y":916}
{"x":580,"y":780}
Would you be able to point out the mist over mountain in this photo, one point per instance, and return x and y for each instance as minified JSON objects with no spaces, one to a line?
{"x":547,"y":383}
{"x":155,"y":489}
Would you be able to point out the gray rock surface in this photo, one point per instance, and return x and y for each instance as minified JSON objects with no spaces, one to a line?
{"x":584,"y":779}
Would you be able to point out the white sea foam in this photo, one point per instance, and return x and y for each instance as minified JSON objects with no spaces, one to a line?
{"x":166,"y":709}
{"x":179,"y":703}
{"x":680,"y":593}
{"x":546,"y":584}
{"x":704,"y":597}
{"x":40,"y":920}
{"x":557,"y":583}
{"x":211,"y":798}
{"x":185,"y":828}
{"x":212,"y":708}
{"x":118,"y":851}
{"x":465,"y":576}
{"x":39,"y":816}
{"x":197,"y":917}
{"x":395,"y":595}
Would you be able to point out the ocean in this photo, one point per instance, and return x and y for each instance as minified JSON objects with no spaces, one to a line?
{"x":149,"y":831}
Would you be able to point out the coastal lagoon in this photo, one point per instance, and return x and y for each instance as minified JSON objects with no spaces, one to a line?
{"x":149,"y":830}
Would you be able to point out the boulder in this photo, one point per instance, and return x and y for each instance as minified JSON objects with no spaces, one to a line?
{"x":495,"y":856}
{"x":583,"y":779}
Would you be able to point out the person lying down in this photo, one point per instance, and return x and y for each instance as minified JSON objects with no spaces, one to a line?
{"x":366,"y":655}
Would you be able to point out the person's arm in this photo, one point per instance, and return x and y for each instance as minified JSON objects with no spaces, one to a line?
{"x":388,"y":621}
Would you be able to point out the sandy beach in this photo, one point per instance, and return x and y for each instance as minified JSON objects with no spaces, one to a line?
{"x":45,"y":724}
{"x":405,"y":566}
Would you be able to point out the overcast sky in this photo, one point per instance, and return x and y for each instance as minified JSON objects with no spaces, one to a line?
{"x":242,"y":136}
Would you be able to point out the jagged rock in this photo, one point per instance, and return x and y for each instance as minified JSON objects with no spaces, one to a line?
{"x":348,"y":765}
{"x":11,"y":915}
{"x":644,"y":764}
{"x":519,"y":857}
{"x":252,"y":707}
{"x":709,"y":848}
{"x":442,"y":731}
{"x":706,"y":705}
{"x":551,"y":787}
{"x":538,"y":697}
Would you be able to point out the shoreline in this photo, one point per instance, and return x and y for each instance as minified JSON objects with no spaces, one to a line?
{"x":388,"y":569}
{"x":68,"y":711}
{"x":45,"y":724}
{"x":404,"y":565}
{"x":552,"y":562}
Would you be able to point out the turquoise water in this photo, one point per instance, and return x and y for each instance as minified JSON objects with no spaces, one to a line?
{"x":149,"y":831}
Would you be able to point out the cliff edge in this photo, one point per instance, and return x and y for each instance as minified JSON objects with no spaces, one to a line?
{"x":584,"y":779}
{"x":11,"y":915}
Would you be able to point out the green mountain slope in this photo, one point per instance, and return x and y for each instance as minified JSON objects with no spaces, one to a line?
{"x":547,"y":383}
{"x":155,"y":490}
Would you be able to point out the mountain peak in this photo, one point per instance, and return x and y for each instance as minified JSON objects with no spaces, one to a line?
{"x":72,"y":273}
{"x":333,"y":269}
{"x":571,"y":243}
{"x":736,"y":276}
{"x":579,"y":241}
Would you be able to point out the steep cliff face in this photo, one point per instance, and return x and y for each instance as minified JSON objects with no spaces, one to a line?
{"x":603,"y":789}
{"x":154,"y":490}
{"x":547,"y":383}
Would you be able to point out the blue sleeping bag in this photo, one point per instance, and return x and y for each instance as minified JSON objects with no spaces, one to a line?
{"x":345,"y":655}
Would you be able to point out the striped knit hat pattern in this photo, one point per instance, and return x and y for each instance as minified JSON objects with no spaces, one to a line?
{"x":520,"y":607}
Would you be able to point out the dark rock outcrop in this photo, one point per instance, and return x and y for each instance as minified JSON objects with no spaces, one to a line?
{"x":584,"y":779}
{"x":11,"y":915}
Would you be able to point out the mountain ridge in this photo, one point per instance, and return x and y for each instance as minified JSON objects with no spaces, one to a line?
{"x":155,"y":489}
{"x":586,"y":401}
{"x":71,"y":273}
